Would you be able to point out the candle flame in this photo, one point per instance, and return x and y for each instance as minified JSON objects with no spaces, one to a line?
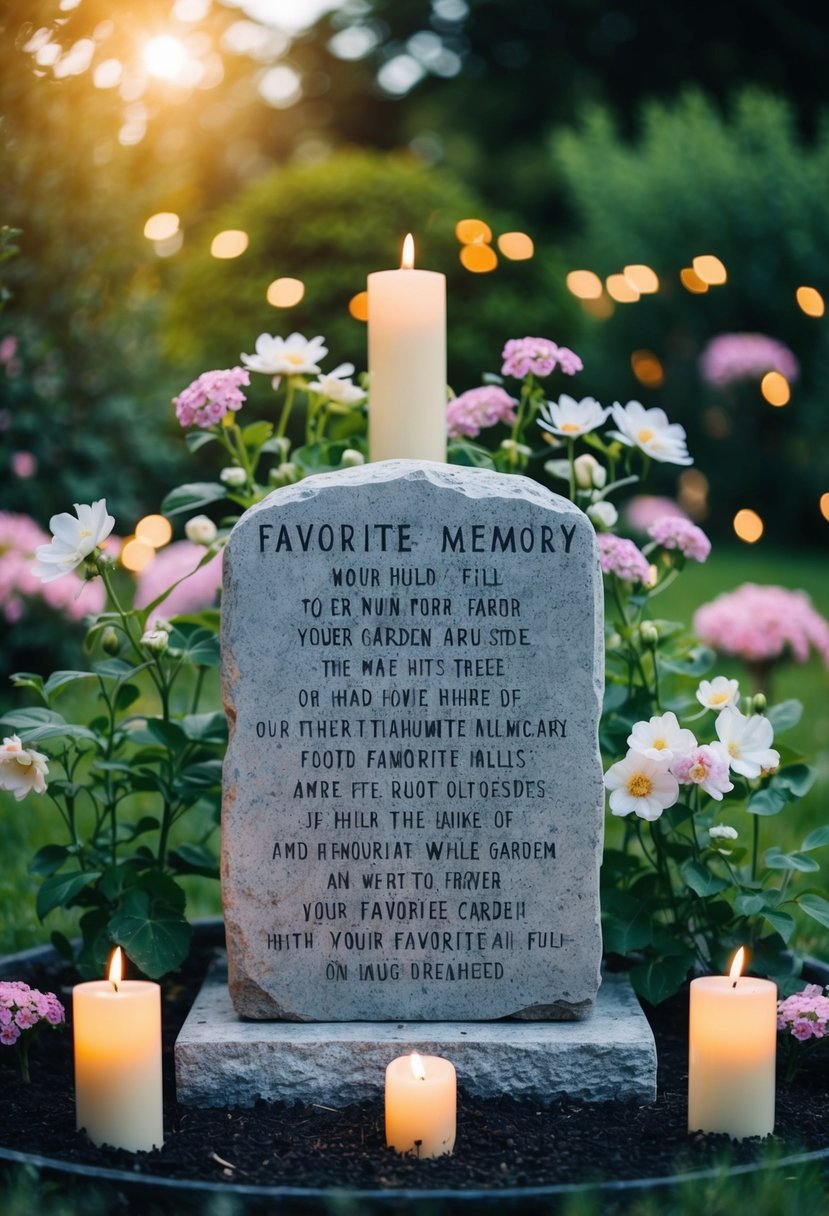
{"x":115,"y":968}
{"x":737,"y":966}
{"x":407,"y":261}
{"x":417,"y":1066}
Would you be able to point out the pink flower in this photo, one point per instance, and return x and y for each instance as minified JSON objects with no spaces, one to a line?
{"x":22,"y":1007}
{"x":539,"y":357}
{"x":757,"y":623}
{"x":179,"y":561}
{"x":644,"y":510}
{"x":468,"y":414}
{"x":707,"y":767}
{"x":20,"y":536}
{"x":673,"y":532}
{"x":621,"y":557}
{"x":9,"y":1034}
{"x":206,"y":401}
{"x":24,"y":465}
{"x":730,"y":358}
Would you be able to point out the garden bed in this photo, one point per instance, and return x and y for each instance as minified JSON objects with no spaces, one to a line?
{"x":504,"y":1147}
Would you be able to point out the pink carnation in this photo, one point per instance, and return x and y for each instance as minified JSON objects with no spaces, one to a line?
{"x":729,"y":358}
{"x":179,"y":561}
{"x":758,"y":623}
{"x":645,"y":509}
{"x":539,"y":357}
{"x":673,"y":532}
{"x":806,"y":1014}
{"x":468,"y":414}
{"x":206,"y":401}
{"x":621,"y":557}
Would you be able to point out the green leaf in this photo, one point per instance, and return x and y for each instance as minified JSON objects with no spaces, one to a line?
{"x":627,"y":922}
{"x":167,"y":733}
{"x":29,"y":679}
{"x":256,"y":434}
{"x":815,"y":906}
{"x":67,"y":730}
{"x":750,"y":905}
{"x":205,"y":728}
{"x":199,"y":645}
{"x":469,"y":455}
{"x":816,"y":839}
{"x":61,"y":890}
{"x":197,"y":439}
{"x":700,"y":879}
{"x":115,"y":669}
{"x":785,"y":715}
{"x":194,"y":859}
{"x":29,"y":718}
{"x":49,"y":859}
{"x":61,"y":679}
{"x":782,"y":923}
{"x":191,"y":497}
{"x":777,"y":860}
{"x":154,"y":935}
{"x":126,"y":696}
{"x":656,"y":981}
{"x":794,"y":781}
{"x":699,"y":660}
{"x":197,"y":778}
{"x":766,"y":802}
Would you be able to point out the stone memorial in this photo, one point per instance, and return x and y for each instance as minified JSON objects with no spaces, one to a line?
{"x":412,"y":820}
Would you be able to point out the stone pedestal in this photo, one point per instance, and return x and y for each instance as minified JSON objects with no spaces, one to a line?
{"x":224,"y":1061}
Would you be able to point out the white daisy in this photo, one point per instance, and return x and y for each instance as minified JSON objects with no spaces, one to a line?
{"x":719,"y":693}
{"x":74,"y":537}
{"x":661,"y":736}
{"x":291,"y":356}
{"x":337,"y":385}
{"x":570,"y":418}
{"x":747,"y":741}
{"x":651,"y":431}
{"x":641,"y":785}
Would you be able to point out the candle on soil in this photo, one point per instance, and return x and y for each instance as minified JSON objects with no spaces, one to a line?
{"x":407,"y":362}
{"x":421,"y":1105}
{"x":117,"y":1034}
{"x":732,"y":1050}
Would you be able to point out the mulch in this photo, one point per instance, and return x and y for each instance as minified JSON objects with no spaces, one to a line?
{"x":502,"y":1143}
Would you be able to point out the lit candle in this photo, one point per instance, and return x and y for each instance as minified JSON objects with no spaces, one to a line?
{"x":407,"y":362}
{"x":421,"y":1104}
{"x":731,"y":1054}
{"x":117,"y":1032}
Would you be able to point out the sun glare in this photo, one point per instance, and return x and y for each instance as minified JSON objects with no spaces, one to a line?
{"x":165,"y":57}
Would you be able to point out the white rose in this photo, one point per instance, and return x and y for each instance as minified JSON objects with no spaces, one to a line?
{"x":200,"y":530}
{"x":603,"y":515}
{"x":233,"y":476}
{"x":590,"y":474}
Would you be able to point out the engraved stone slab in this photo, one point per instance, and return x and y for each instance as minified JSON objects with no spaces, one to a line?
{"x":222,"y":1061}
{"x":412,"y":822}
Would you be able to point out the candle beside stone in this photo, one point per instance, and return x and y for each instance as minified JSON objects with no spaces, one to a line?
{"x":421,"y":1105}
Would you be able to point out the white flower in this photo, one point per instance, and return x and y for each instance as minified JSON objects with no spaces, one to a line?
{"x":571,"y":418}
{"x":603,"y":514}
{"x":719,"y":693}
{"x":337,"y":386}
{"x":156,"y":640}
{"x":651,"y":431}
{"x":661,"y":736}
{"x":641,"y":785}
{"x":351,"y":458}
{"x":233,"y":476}
{"x":291,"y":356}
{"x":74,"y":538}
{"x":590,"y":475}
{"x":22,"y":769}
{"x":200,"y":530}
{"x":747,"y":741}
{"x":721,"y":831}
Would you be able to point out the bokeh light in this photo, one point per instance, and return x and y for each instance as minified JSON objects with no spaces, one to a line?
{"x":165,"y":57}
{"x":620,"y":290}
{"x":154,"y":530}
{"x":584,"y":284}
{"x":161,"y":226}
{"x":285,"y":293}
{"x":642,"y":278}
{"x":710,"y":269}
{"x":810,"y":301}
{"x":231,"y":243}
{"x":136,"y":554}
{"x":748,"y":526}
{"x":479,"y":259}
{"x":358,"y":306}
{"x":470,"y":232}
{"x":600,"y":308}
{"x":647,"y":368}
{"x":516,"y":246}
{"x":824,"y":506}
{"x":775,"y":388}
{"x":691,"y":281}
{"x":693,"y":493}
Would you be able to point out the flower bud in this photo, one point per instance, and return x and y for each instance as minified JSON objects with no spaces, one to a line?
{"x":282,"y":445}
{"x":200,"y":530}
{"x":590,"y":474}
{"x":759,"y":703}
{"x":351,"y":458}
{"x":233,"y":476}
{"x":156,"y":640}
{"x":603,"y":515}
{"x":648,"y":633}
{"x":110,"y":642}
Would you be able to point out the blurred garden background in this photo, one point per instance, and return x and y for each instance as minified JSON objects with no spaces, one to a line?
{"x":644,"y":183}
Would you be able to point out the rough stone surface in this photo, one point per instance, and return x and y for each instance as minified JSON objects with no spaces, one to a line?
{"x":220,"y":1060}
{"x":412,"y":821}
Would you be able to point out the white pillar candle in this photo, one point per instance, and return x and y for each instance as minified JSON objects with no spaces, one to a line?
{"x":421,"y":1105}
{"x":117,"y":1034}
{"x":407,"y":362}
{"x":732,"y":1050}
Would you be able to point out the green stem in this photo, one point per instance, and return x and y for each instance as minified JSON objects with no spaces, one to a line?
{"x":571,"y":456}
{"x":755,"y":848}
{"x":284,"y":417}
{"x":200,"y":674}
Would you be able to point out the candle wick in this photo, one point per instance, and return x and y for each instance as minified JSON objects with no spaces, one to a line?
{"x":734,"y":985}
{"x":114,"y":984}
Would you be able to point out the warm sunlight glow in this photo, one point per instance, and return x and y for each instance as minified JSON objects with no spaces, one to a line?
{"x":811,"y":301}
{"x":116,"y":968}
{"x":709,"y":269}
{"x":692,"y":282}
{"x":479,"y":259}
{"x":154,"y":530}
{"x":285,"y":293}
{"x":775,"y":388}
{"x":165,"y":57}
{"x":601,"y":308}
{"x":231,"y":243}
{"x":647,"y":368}
{"x":407,"y":260}
{"x":516,"y":246}
{"x":136,"y":554}
{"x":473,"y":232}
{"x":161,"y":226}
{"x":737,"y":965}
{"x":693,"y":493}
{"x":358,"y":306}
{"x":620,"y":290}
{"x":748,"y":526}
{"x":642,"y":278}
{"x":417,"y":1066}
{"x":584,"y":284}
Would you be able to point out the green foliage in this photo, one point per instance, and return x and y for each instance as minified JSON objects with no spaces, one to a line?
{"x":330,"y":225}
{"x":748,"y":188}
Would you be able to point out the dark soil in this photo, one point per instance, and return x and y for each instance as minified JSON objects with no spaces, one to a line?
{"x":502,"y":1143}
